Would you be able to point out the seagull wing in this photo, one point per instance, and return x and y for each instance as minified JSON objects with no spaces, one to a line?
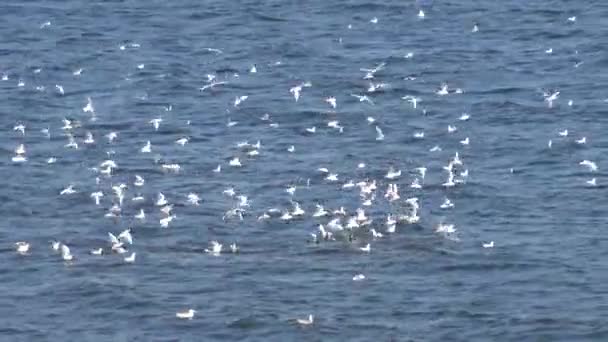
{"x":126,"y":236}
{"x":113,"y":239}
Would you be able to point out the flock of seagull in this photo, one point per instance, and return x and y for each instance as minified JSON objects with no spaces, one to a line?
{"x":330,"y":224}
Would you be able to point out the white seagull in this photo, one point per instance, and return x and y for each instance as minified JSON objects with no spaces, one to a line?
{"x":22,"y":247}
{"x":306,"y":321}
{"x":591,"y":165}
{"x":189,"y":314}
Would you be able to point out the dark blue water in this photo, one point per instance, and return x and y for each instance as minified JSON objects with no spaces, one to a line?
{"x":544,"y":280}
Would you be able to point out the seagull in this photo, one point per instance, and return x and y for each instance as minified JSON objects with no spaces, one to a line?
{"x":362,"y":98}
{"x":139,"y":181}
{"x":98,"y":251}
{"x":137,"y":198}
{"x":291,"y":190}
{"x":65,"y":253}
{"x":126,"y":237}
{"x":392,"y":174}
{"x":451,"y":129}
{"x":332,"y":177}
{"x":320,"y":211}
{"x":20,"y":149}
{"x":563,"y":133}
{"x":367,"y":248}
{"x":413,"y":100}
{"x":572,"y":19}
{"x":297,"y":210}
{"x":550,"y":97}
{"x":306,"y":321}
{"x":89,"y":107}
{"x":371,"y":72}
{"x":445,"y":228}
{"x":130,"y":259}
{"x":464,"y":117}
{"x":216,"y":248}
{"x":465,"y":141}
{"x":167,"y":209}
{"x":172,"y":167}
{"x":235,"y":162}
{"x":419,"y":135}
{"x":239,"y":99}
{"x":230,"y":192}
{"x":421,"y":14}
{"x":332,"y":101}
{"x":376,"y":234}
{"x":60,"y":89}
{"x":211,"y":85}
{"x":231,"y":123}
{"x":67,"y":125}
{"x":22,"y":247}
{"x":488,"y":244}
{"x":447,"y":204}
{"x":193,"y":198}
{"x":592,"y":166}
{"x":296,"y":92}
{"x":373,"y":87}
{"x":141,"y":215}
{"x":348,"y":185}
{"x":20,"y":128}
{"x":156,"y":123}
{"x":186,"y":314}
{"x":164,"y":222}
{"x":161,"y":200}
{"x":111,"y":136}
{"x":147,"y":148}
{"x":182,"y":141}
{"x":97,"y":195}
{"x":374,"y":20}
{"x":592,"y":182}
{"x":18,"y":159}
{"x":89,"y":139}
{"x":358,"y":277}
{"x":234,"y":248}
{"x":253,"y":69}
{"x":286,"y":216}
{"x":581,"y":141}
{"x":443,"y":90}
{"x":379,"y":134}
{"x":312,"y":129}
{"x":55,"y":245}
{"x":68,"y":191}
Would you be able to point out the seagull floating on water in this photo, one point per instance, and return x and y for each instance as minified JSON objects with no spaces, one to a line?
{"x":189,"y":314}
